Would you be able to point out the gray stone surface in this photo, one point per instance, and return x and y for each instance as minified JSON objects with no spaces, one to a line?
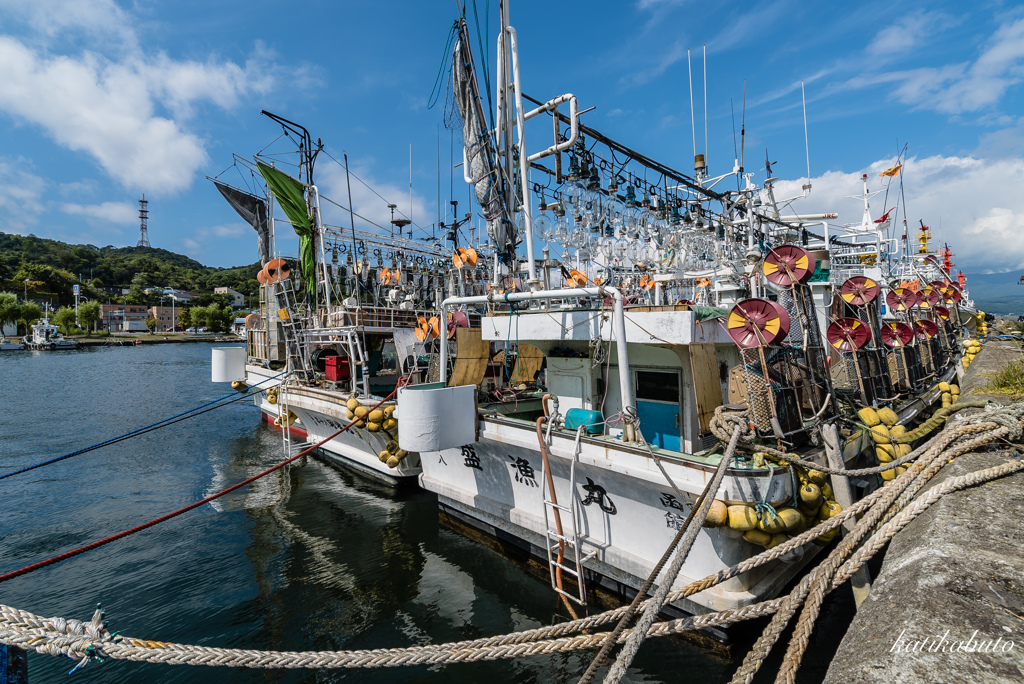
{"x":958,"y":568}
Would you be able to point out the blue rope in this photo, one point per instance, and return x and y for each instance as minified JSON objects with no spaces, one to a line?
{"x":133,"y":433}
{"x":764,"y":508}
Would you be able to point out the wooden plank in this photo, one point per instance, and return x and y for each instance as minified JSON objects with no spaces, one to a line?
{"x":528,"y":363}
{"x":472,"y":355}
{"x":707,"y":388}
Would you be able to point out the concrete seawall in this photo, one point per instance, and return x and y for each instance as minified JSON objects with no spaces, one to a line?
{"x":948,"y":604}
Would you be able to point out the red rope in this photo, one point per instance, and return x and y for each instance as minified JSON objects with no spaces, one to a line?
{"x":102,"y":542}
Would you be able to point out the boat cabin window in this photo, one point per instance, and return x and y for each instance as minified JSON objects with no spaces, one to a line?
{"x":388,"y":358}
{"x":658,"y":386}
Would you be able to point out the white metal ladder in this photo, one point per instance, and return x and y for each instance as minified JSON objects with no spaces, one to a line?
{"x":291,"y":327}
{"x":570,"y":536}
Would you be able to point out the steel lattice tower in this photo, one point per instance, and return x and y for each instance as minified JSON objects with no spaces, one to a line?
{"x":144,"y":220}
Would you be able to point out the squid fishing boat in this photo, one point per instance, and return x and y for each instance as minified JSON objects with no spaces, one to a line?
{"x":333,"y":340}
{"x":631,"y":307}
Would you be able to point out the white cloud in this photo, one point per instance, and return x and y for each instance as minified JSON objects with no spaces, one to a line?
{"x":120,"y":213}
{"x":20,"y":196}
{"x":127,"y":110}
{"x":965,"y":87}
{"x":232,"y":230}
{"x":908,"y":32}
{"x":944,"y":193}
{"x":51,"y":19}
{"x":366,"y":202}
{"x":192,"y":248}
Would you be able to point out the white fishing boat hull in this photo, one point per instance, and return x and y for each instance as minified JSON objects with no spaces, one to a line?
{"x":321,"y":414}
{"x":627,"y":512}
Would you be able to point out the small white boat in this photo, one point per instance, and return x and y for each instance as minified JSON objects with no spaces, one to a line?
{"x":46,"y":336}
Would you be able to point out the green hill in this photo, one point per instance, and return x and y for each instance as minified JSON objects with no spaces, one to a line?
{"x":52,"y":267}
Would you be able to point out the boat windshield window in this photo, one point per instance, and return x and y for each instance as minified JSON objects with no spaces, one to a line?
{"x":657,"y":386}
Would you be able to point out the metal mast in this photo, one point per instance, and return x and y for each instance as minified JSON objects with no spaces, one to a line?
{"x":143,"y":223}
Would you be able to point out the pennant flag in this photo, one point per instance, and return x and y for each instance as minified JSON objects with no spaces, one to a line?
{"x":885,"y":217}
{"x":254,"y":210}
{"x":892,"y":172}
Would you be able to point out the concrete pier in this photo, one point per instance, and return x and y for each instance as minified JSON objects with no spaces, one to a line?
{"x":948,"y":604}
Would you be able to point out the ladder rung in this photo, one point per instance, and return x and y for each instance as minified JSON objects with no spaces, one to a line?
{"x":566,"y":568}
{"x":567,"y":540}
{"x":558,"y":506}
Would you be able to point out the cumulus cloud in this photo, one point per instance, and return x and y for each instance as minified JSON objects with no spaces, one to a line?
{"x":128,"y":110}
{"x":987,"y":236}
{"x":21,"y":195}
{"x":120,"y":213}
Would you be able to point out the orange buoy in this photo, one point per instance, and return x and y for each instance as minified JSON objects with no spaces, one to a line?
{"x":434,"y":327}
{"x":385,"y":275}
{"x":277,"y":270}
{"x":252,"y":321}
{"x":647,"y":282}
{"x":577,"y":279}
{"x":262,"y":277}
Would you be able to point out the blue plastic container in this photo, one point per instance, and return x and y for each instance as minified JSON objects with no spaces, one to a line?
{"x":593,"y":420}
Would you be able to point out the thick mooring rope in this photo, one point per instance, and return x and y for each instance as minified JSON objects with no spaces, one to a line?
{"x":91,"y":640}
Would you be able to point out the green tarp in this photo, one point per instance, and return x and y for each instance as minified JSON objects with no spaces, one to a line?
{"x":706,"y":312}
{"x":289,"y":195}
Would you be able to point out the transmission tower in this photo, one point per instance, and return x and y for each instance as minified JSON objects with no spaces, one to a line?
{"x":144,"y":220}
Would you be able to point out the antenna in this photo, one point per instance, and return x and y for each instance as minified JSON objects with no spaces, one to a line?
{"x":743,"y":125}
{"x":410,"y":182}
{"x":807,"y":147}
{"x":143,"y":223}
{"x":705,"y":104}
{"x":693,"y":124}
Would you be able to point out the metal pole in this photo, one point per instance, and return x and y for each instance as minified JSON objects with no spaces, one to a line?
{"x":352,"y":220}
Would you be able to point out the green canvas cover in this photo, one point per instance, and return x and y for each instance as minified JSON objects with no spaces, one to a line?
{"x":289,"y":194}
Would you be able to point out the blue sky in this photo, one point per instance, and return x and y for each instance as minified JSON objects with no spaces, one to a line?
{"x":102,"y":101}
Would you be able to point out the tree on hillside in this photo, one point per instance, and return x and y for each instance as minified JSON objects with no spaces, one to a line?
{"x":30,"y":313}
{"x":88,"y":314}
{"x":137,"y":294}
{"x":220,"y":318}
{"x":199,"y":316}
{"x":65,"y":318}
{"x":184,"y":318}
{"x":10,"y":311}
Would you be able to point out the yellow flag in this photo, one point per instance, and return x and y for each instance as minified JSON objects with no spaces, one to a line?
{"x":893,"y":171}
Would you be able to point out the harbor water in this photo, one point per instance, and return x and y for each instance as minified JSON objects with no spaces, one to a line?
{"x":308,"y":558}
